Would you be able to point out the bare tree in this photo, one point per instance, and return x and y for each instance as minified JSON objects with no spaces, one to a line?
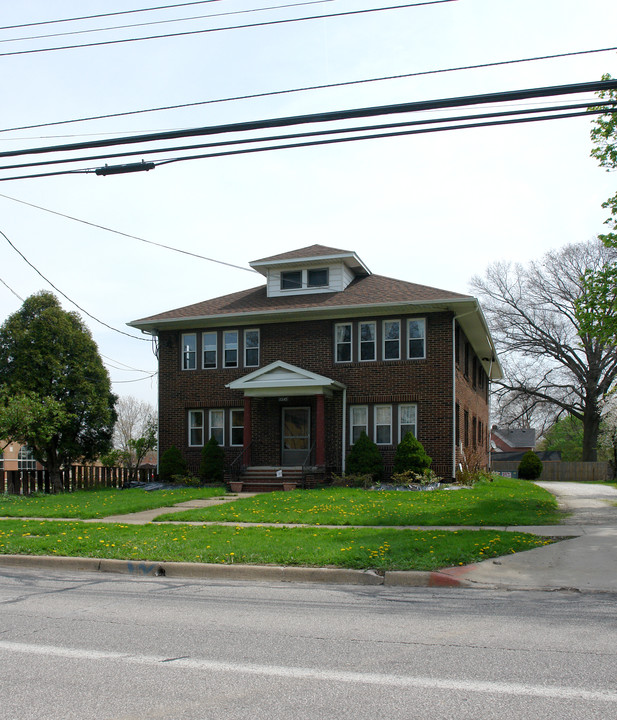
{"x":135,"y":431}
{"x":534,"y":312}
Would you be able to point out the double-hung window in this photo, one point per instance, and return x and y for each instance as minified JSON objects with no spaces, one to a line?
{"x":230,"y":348}
{"x":391,"y":339}
{"x":209,"y":350}
{"x":368,"y":341}
{"x":407,"y":420}
{"x":189,"y":351}
{"x":317,"y":277}
{"x":237,"y":427}
{"x":291,"y":280}
{"x":358,"y":422}
{"x":383,"y":424}
{"x":342,"y":334}
{"x":217,"y":426}
{"x":251,"y":348}
{"x":196,"y":428}
{"x":416,"y":334}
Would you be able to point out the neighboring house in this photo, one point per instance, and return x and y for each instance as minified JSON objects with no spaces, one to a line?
{"x":18,"y":457}
{"x":512,"y":439}
{"x":292,"y":372}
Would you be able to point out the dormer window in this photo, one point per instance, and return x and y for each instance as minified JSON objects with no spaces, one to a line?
{"x":317,"y":277}
{"x":291,"y":280}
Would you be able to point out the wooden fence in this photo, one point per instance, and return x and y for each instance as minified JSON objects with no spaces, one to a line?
{"x":77,"y":477}
{"x":563,"y":471}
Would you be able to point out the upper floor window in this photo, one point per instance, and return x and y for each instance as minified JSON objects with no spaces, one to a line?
{"x":209,"y":349}
{"x":291,"y":280}
{"x":230,"y":348}
{"x":342,"y":335}
{"x":318,"y":277}
{"x":25,"y":459}
{"x":417,"y":338}
{"x":368,"y":341}
{"x":189,"y":351}
{"x":251,"y":348}
{"x":391,"y":339}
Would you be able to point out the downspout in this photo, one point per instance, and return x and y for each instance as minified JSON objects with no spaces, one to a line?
{"x":454,"y":398}
{"x":344,"y":430}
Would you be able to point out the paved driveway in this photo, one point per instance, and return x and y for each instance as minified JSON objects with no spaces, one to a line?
{"x":588,"y":503}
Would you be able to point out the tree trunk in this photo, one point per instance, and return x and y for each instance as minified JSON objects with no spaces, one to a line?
{"x":591,"y":430}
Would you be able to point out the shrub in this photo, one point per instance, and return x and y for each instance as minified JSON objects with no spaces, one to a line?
{"x":353,"y":480}
{"x":410,"y":455}
{"x":472,"y":469}
{"x":212,"y":466}
{"x":364,"y":458}
{"x":530,"y":467}
{"x":409,"y":477}
{"x":171,"y":463}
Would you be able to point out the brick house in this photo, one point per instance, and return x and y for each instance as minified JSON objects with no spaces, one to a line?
{"x":291,"y":372}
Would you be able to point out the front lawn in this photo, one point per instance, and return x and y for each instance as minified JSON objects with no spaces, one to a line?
{"x":98,"y":503}
{"x":504,"y":501}
{"x":360,"y":548}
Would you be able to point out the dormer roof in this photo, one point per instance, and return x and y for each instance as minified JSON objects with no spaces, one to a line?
{"x":308,"y":255}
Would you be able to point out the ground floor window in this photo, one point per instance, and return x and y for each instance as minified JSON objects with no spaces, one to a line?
{"x":236,"y":423}
{"x":217,"y":426}
{"x":196,"y":428}
{"x":25,"y":459}
{"x":407,"y":420}
{"x":383,"y":424}
{"x":358,"y":422}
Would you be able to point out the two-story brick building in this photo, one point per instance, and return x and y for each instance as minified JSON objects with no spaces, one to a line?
{"x":291,"y":372}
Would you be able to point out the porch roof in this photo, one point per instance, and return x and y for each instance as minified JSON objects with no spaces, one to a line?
{"x":281,"y":378}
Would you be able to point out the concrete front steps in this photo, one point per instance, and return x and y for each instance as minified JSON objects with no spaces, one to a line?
{"x":267,"y":479}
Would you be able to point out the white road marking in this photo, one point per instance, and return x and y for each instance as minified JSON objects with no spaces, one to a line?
{"x":299,"y":673}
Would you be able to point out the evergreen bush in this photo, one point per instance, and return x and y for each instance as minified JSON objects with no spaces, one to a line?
{"x":171,"y":463}
{"x":364,"y":458}
{"x":410,"y":455}
{"x":212,"y":466}
{"x":530,"y":466}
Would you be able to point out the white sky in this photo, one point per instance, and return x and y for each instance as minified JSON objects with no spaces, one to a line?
{"x":433,"y":209}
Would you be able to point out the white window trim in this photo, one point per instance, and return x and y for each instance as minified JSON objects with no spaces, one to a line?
{"x":375,"y":408}
{"x":400,"y":424}
{"x":350,"y":343}
{"x":248,"y":330}
{"x":360,"y":341}
{"x":351,"y":423}
{"x":210,"y":425}
{"x":323,"y":285}
{"x":232,"y":427}
{"x":225,"y":365}
{"x":195,"y":427}
{"x":182,"y":357}
{"x":383,"y":340}
{"x":409,"y":320}
{"x":294,"y":289}
{"x":203,"y":350}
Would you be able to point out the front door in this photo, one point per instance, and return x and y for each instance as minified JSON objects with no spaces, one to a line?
{"x":296,"y":435}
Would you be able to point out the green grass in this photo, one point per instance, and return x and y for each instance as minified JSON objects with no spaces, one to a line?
{"x":503,"y":502}
{"x":97,"y":503}
{"x":361,"y":548}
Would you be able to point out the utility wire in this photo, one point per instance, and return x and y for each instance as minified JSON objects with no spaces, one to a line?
{"x":110,"y":14}
{"x":121,"y":332}
{"x":309,"y":87}
{"x":332,"y":116}
{"x":11,"y":289}
{"x":317,"y":133}
{"x":230,"y":27}
{"x":165,"y":22}
{"x":127,"y":235}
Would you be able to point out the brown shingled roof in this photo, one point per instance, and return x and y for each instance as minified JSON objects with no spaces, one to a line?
{"x":369,"y":290}
{"x":307,"y":252}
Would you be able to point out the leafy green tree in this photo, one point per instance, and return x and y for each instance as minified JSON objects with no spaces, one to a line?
{"x":48,"y":355}
{"x":530,"y":467}
{"x":212,"y":466}
{"x":364,"y":458}
{"x":171,"y":463}
{"x":25,"y":418}
{"x":410,"y":455}
{"x":566,"y":435}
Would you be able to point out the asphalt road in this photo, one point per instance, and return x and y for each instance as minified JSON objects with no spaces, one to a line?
{"x":79,"y":645}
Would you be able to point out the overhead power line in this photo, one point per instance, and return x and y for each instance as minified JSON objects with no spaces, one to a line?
{"x":331,"y":116}
{"x":166,"y":22}
{"x":310,"y":88}
{"x":227,"y":28}
{"x":48,"y":281}
{"x":109,"y":14}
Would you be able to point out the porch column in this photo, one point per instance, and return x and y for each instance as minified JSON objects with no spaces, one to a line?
{"x":248,"y":431}
{"x":320,"y":440}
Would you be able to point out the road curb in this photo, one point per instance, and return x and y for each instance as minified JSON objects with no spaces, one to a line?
{"x":263,"y":573}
